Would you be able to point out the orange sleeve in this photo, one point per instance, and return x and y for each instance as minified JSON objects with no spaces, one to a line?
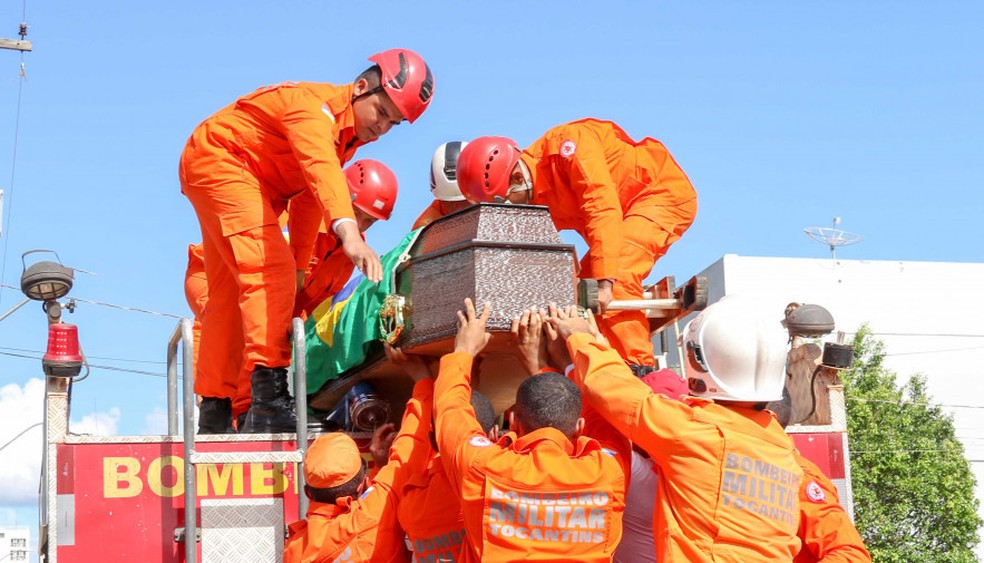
{"x":411,"y":449}
{"x":309,"y":127}
{"x":379,"y":501}
{"x":459,"y":435}
{"x":826,"y":530}
{"x":596,"y":427}
{"x":645,"y":418}
{"x":597,"y":195}
{"x":303,"y":222}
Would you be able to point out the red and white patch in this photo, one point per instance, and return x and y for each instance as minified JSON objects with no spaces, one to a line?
{"x":814,"y":492}
{"x":480,"y":441}
{"x":567,"y":148}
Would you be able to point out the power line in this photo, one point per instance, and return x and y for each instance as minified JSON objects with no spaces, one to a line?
{"x":940,"y":334}
{"x":110,"y":368}
{"x":90,"y":356}
{"x":910,"y":403}
{"x":13,"y":163}
{"x":900,"y":451}
{"x":22,"y":432}
{"x":111,"y":305}
{"x":125,"y":308}
{"x":934,"y":351}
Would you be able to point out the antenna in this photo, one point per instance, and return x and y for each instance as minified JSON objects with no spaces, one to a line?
{"x":832,"y":236}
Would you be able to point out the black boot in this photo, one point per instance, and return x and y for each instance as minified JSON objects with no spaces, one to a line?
{"x":240,"y":421}
{"x":215,"y":416}
{"x":640,"y":370}
{"x":272,"y":408}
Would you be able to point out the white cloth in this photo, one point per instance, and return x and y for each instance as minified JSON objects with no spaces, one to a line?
{"x":637,"y":545}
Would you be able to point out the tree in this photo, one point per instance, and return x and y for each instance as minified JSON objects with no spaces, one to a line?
{"x":913,"y":486}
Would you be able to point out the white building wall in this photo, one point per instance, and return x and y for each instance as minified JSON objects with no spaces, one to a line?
{"x":930,"y":315}
{"x":15,"y":543}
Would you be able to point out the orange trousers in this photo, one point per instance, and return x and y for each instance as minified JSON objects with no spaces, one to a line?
{"x":648,"y":231}
{"x":251,"y":283}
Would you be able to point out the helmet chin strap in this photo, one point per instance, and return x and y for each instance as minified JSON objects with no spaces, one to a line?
{"x":367,"y":93}
{"x":526,"y":186}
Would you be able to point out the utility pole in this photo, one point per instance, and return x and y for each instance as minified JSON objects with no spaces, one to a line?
{"x":21,"y":44}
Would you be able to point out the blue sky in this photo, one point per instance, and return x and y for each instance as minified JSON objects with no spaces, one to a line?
{"x":784,"y":115}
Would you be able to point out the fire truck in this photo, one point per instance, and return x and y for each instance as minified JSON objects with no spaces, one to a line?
{"x":182,"y":497}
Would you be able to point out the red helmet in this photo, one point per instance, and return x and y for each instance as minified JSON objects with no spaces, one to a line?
{"x":373,"y":187}
{"x":484,"y":167}
{"x":407,"y":79}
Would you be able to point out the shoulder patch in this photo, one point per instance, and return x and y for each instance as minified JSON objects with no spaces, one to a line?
{"x":327,"y":111}
{"x":567,"y":148}
{"x":479,"y":441}
{"x":814,"y":492}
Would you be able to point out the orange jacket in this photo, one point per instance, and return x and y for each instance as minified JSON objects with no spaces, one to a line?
{"x":728,"y":480}
{"x":826,"y":530}
{"x":293,"y":138}
{"x":366,"y":529}
{"x":327,"y":274}
{"x":534,"y":498}
{"x":430,"y":513}
{"x":429,"y":215}
{"x":591,"y":174}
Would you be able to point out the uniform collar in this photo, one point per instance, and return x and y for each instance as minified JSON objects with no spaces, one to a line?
{"x":340,"y":105}
{"x":542,"y":436}
{"x":329,"y":510}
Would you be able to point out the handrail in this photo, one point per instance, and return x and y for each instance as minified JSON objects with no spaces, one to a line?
{"x":188,"y":400}
{"x":172,"y":372}
{"x":183,"y":334}
{"x":300,"y":398}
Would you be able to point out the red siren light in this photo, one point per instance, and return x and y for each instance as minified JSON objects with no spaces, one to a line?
{"x":63,"y":358}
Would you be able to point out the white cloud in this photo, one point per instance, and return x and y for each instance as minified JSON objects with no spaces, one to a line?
{"x":97,"y":423}
{"x":156,"y":422}
{"x":20,"y":460}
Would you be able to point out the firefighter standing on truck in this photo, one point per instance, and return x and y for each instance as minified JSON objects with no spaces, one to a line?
{"x":444,"y":185}
{"x":374,"y":189}
{"x":629,"y":200}
{"x":728,"y":479}
{"x":239,"y":169}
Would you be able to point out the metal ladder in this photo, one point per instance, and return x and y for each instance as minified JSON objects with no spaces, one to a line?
{"x":182,"y":334}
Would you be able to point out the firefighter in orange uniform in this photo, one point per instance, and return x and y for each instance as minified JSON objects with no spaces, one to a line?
{"x":542,"y":493}
{"x":827,"y":533}
{"x":374,"y":190}
{"x":429,"y":510}
{"x":340,"y":526}
{"x":196,"y":291}
{"x":444,"y":185}
{"x":728,"y":480}
{"x":629,"y":201}
{"x":240,"y":168}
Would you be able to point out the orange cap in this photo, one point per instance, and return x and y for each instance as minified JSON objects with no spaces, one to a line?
{"x":332,"y":460}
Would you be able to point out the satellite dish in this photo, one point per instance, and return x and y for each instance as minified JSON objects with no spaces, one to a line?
{"x":832,"y":236}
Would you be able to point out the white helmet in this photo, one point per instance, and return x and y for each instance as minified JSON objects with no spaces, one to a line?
{"x":444,"y":177}
{"x":734,"y":353}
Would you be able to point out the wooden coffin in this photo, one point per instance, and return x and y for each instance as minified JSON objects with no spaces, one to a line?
{"x":507,"y":255}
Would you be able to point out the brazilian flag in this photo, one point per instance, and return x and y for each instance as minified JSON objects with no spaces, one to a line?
{"x":343,"y":329}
